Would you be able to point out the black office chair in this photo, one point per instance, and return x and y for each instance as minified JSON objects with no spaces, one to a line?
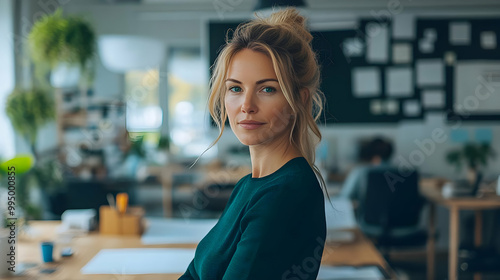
{"x":389,"y":206}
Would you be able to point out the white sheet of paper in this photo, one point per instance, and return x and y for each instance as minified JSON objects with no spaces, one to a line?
{"x":353,"y":47}
{"x":430,"y":34}
{"x":376,"y":107}
{"x":342,"y":217}
{"x":411,"y":108}
{"x":477,"y":87}
{"x":391,"y":107}
{"x":430,"y":72}
{"x":377,"y":43}
{"x":459,"y":33}
{"x":349,"y":272}
{"x":403,"y":26}
{"x":488,"y":40}
{"x":434,"y":99}
{"x":402,"y":53}
{"x":399,"y":81}
{"x":426,"y":45}
{"x":168,"y":231}
{"x":139,"y":261}
{"x":366,"y":82}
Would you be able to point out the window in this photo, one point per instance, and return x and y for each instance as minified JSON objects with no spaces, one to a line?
{"x":187,"y":103}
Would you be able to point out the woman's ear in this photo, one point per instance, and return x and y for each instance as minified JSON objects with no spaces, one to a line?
{"x":304,"y":95}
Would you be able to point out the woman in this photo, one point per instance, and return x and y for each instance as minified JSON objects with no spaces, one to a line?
{"x":266,"y":82}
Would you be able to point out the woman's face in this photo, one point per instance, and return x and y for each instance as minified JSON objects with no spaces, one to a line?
{"x":257,"y":109}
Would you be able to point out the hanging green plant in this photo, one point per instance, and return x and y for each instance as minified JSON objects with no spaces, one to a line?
{"x":56,"y":39}
{"x":28,"y":111}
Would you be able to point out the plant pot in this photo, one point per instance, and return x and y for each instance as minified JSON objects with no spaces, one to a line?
{"x":65,"y":75}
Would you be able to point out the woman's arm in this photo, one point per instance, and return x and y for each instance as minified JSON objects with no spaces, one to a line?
{"x":187,"y":275}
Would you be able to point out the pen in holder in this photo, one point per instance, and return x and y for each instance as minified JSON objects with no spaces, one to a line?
{"x":122,"y":219}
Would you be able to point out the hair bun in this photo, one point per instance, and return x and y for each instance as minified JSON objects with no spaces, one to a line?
{"x":290,"y":18}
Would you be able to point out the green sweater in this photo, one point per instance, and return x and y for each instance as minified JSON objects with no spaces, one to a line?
{"x":273,"y":227}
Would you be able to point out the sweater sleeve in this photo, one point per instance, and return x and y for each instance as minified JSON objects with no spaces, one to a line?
{"x":282,"y":236}
{"x":187,"y":275}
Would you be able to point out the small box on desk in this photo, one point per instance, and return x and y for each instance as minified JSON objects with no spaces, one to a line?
{"x":128,"y":223}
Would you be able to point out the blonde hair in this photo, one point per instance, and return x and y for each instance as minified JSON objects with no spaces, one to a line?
{"x":284,"y":38}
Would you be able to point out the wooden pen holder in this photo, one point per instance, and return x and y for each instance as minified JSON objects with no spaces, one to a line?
{"x":115,"y":223}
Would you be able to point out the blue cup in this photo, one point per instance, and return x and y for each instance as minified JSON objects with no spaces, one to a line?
{"x":47,"y":249}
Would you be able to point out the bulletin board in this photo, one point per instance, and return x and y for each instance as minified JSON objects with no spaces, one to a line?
{"x":468,"y":50}
{"x":385,"y":71}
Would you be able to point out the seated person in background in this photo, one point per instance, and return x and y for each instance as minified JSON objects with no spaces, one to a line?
{"x":375,"y":154}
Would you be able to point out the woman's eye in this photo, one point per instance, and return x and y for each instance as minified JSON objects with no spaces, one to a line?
{"x":238,"y":88}
{"x":269,"y":90}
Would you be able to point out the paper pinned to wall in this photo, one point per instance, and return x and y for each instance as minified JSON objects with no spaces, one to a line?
{"x":488,"y":40}
{"x":399,"y":81}
{"x":433,"y":99}
{"x":353,"y":47}
{"x":403,"y":26}
{"x":411,"y":108}
{"x":377,"y":43}
{"x":366,"y":82}
{"x":425,"y":45}
{"x":459,"y":136}
{"x":430,"y":72}
{"x":391,"y":107}
{"x":430,"y":34}
{"x":484,"y":135}
{"x":376,"y":107}
{"x":402,"y":53}
{"x":459,"y":33}
{"x":139,"y":261}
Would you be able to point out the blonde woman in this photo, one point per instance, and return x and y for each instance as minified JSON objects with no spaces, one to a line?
{"x":265,"y":81}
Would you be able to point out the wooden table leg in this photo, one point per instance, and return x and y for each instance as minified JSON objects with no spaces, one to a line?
{"x":454,"y":239}
{"x":478,"y":235}
{"x":431,"y":242}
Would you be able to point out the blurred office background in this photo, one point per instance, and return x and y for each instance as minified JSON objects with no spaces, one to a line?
{"x":424,"y":75}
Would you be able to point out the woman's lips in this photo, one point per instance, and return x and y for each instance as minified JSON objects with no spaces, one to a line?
{"x":250,"y":124}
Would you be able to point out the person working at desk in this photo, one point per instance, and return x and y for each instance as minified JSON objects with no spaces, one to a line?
{"x":266,"y":82}
{"x":375,"y":155}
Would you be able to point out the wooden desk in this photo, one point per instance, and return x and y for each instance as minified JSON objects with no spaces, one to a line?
{"x":433,"y":193}
{"x":360,"y":252}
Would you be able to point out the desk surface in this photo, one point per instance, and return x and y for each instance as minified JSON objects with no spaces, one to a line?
{"x":432,"y":191}
{"x":360,"y":252}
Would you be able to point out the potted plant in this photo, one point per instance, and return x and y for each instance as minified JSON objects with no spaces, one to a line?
{"x":474,"y":155}
{"x":64,"y":44}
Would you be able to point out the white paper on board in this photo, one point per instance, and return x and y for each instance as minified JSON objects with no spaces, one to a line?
{"x":459,"y":33}
{"x":403,"y":26}
{"x":477,"y":87}
{"x":402,"y":53}
{"x":376,"y":107}
{"x":366,"y":82}
{"x":139,"y":261}
{"x":377,"y":42}
{"x":430,"y":72}
{"x":488,"y":40}
{"x":391,"y":107}
{"x":426,"y":45}
{"x":433,"y":99}
{"x":411,"y":108}
{"x":353,"y":47}
{"x":430,"y":34}
{"x":399,"y":81}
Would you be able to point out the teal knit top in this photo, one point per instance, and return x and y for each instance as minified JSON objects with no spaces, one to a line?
{"x":273,"y":227}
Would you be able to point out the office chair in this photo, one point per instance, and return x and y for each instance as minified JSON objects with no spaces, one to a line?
{"x":389,"y":209}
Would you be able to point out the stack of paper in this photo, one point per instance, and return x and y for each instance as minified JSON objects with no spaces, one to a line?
{"x":168,"y":231}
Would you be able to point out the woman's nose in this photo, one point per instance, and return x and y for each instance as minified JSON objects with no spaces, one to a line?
{"x":249,"y":105}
